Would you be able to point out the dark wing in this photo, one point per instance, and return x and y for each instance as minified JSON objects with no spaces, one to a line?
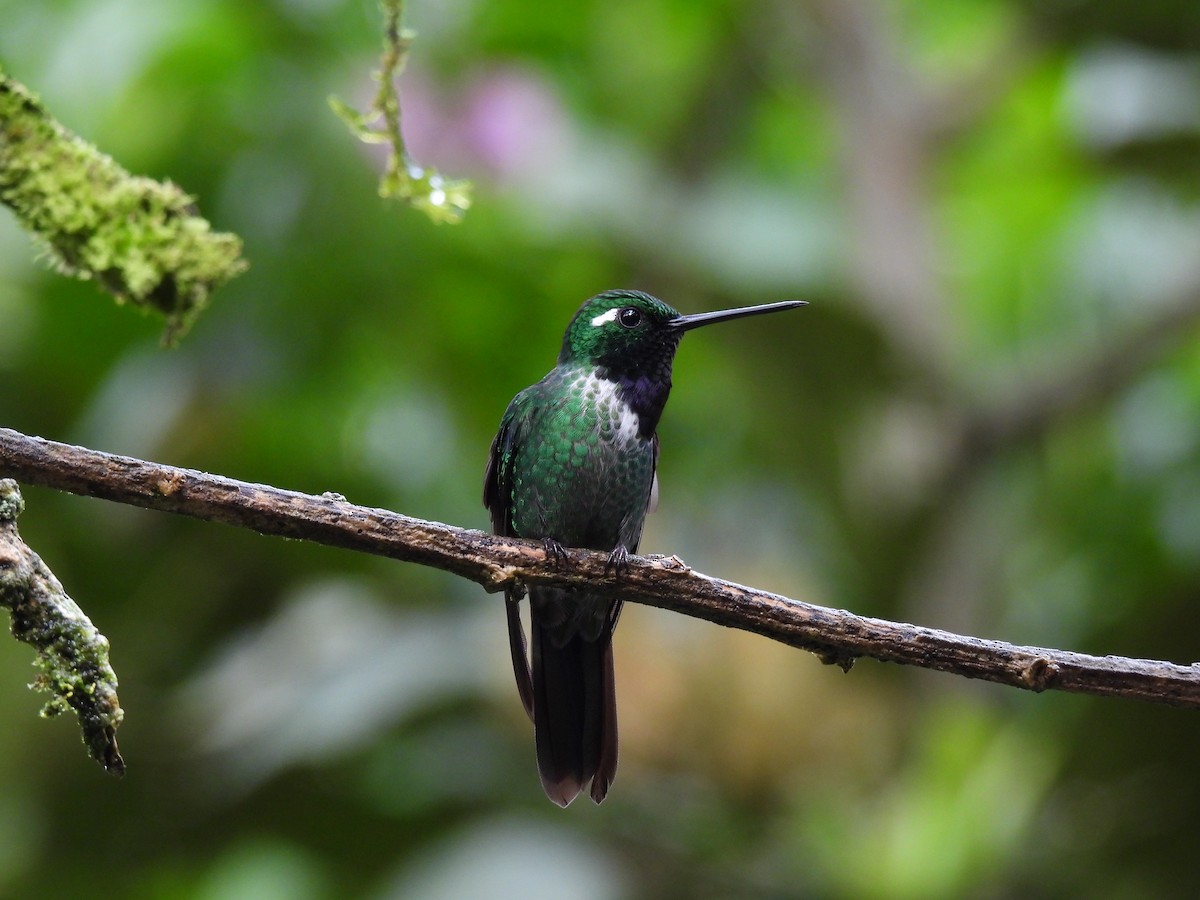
{"x":497,"y":476}
{"x":497,"y":498}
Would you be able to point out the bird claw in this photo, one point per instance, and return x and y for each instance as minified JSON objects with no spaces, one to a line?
{"x":556,"y":553}
{"x":618,"y":561}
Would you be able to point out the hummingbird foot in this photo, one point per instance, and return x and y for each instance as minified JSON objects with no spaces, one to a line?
{"x":556,"y":553}
{"x":618,"y":561}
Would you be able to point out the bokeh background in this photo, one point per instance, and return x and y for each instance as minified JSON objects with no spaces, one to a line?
{"x":988,"y":420}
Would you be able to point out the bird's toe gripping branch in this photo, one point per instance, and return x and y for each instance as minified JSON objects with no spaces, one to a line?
{"x":556,"y":553}
{"x":618,"y":561}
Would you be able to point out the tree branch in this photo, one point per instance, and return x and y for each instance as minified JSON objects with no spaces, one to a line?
{"x":72,"y":654}
{"x":836,"y":636}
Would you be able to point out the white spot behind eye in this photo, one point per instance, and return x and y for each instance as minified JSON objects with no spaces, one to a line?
{"x":606,"y":316}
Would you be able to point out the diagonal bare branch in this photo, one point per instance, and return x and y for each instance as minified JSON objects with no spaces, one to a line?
{"x":836,"y":636}
{"x":1079,"y":386}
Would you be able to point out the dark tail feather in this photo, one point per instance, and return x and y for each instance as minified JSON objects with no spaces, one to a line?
{"x":520,"y":656}
{"x":574,"y":715}
{"x":606,"y":765}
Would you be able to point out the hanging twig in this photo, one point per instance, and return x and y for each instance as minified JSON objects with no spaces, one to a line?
{"x":442,"y":199}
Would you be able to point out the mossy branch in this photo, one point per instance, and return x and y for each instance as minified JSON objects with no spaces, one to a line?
{"x":442,"y":199}
{"x":835,"y":636}
{"x":72,"y":654}
{"x":139,"y":239}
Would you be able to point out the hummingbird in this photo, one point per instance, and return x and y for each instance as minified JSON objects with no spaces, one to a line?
{"x":574,"y":465}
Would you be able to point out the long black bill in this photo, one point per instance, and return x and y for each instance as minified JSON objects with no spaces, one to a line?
{"x":687,"y":323}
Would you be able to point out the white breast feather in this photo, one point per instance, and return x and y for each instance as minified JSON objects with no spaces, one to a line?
{"x":602,"y":395}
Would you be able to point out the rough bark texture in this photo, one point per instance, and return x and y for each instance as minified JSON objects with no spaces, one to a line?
{"x":836,"y":636}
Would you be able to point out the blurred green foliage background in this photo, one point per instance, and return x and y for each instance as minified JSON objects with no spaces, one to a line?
{"x":988,"y":420}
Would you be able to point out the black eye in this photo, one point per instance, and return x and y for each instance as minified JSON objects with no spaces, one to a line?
{"x":629,"y":317}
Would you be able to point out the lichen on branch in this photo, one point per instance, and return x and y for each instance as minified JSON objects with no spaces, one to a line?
{"x":139,"y":239}
{"x":72,"y":656}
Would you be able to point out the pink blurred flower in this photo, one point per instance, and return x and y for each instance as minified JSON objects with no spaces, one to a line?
{"x":505,"y":125}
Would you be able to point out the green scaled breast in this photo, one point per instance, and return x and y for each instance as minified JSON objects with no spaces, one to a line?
{"x":581,"y":471}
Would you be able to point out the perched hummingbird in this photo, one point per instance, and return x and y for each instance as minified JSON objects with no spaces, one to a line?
{"x":574,"y":465}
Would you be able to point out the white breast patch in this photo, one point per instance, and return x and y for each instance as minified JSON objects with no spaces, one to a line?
{"x":603,"y":394}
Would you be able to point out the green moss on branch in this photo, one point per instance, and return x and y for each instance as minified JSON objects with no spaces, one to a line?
{"x":72,"y":655}
{"x":139,"y":239}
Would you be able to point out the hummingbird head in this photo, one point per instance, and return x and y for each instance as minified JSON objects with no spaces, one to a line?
{"x":630,"y":338}
{"x":626,"y":333}
{"x":631,"y":334}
